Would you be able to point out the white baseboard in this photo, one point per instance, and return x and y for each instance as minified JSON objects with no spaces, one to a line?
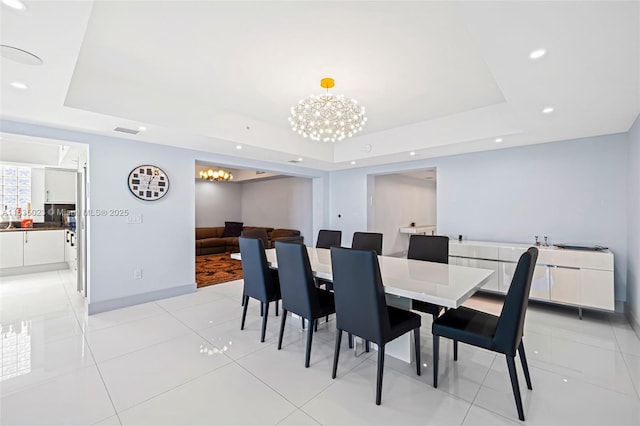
{"x":123,"y":302}
{"x":34,"y":269}
{"x":634,"y":321}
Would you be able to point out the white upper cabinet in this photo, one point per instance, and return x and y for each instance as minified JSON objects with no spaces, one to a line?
{"x":59,"y":186}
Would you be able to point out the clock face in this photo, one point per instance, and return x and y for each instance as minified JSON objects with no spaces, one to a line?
{"x":148,"y":182}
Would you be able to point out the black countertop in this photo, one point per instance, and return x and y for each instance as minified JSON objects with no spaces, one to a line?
{"x":46,"y":226}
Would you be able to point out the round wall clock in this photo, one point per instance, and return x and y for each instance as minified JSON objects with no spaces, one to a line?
{"x":148,"y":182}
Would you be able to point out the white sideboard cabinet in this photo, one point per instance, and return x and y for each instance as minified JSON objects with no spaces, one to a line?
{"x":569,"y":277}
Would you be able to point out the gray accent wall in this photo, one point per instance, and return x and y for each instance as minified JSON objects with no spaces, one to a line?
{"x":279,"y":203}
{"x":571,"y":191}
{"x":633,"y":226}
{"x":217,"y":202}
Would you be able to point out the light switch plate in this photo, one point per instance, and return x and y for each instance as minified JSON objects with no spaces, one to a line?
{"x":134,"y":219}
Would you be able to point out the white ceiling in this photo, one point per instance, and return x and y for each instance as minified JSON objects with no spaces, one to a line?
{"x":436,"y":78}
{"x":36,"y":152}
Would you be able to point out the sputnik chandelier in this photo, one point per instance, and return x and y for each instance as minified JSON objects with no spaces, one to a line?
{"x":327,"y":117}
{"x":219,"y":174}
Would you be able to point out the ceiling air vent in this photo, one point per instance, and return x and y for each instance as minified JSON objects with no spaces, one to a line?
{"x":125,"y":130}
{"x":258,"y":172}
{"x":294,"y":161}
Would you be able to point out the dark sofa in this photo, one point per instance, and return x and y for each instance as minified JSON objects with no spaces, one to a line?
{"x":209,"y":240}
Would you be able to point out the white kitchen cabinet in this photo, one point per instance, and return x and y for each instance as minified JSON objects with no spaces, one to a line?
{"x":42,"y":247}
{"x":11,"y":251}
{"x":71,"y":250}
{"x":59,"y":186}
{"x":67,"y":245}
{"x":37,"y":195}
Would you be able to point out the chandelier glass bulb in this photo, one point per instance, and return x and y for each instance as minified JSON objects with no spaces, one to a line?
{"x":219,"y":174}
{"x":327,"y":117}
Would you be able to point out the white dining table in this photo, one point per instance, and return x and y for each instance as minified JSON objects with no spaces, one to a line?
{"x":406,"y":280}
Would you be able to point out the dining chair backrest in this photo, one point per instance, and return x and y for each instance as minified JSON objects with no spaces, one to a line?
{"x":510,"y":325}
{"x":361,"y":307}
{"x":328,"y":238}
{"x":367,"y":241}
{"x":257,"y":233}
{"x":299,"y":294}
{"x":431,"y":248}
{"x":258,"y":279}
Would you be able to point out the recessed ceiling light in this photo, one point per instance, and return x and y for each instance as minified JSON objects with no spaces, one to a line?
{"x":412,"y":153}
{"x":353,"y":162}
{"x":14,"y":4}
{"x":547,"y":110}
{"x":238,"y":146}
{"x":19,"y":85}
{"x":537,"y":54}
{"x":498,"y":140}
{"x":299,"y":158}
{"x":142,"y":128}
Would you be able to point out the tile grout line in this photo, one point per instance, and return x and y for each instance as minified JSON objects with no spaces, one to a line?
{"x":636,"y":387}
{"x":84,"y":338}
{"x":473,"y":403}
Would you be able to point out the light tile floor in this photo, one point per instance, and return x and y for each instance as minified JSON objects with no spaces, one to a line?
{"x":185,"y":361}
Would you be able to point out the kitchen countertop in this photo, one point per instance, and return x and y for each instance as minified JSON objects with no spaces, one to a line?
{"x":36,"y":228}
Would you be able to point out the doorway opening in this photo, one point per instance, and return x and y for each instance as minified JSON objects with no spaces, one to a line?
{"x":401,"y":204}
{"x":44,"y":197}
{"x":280,"y":204}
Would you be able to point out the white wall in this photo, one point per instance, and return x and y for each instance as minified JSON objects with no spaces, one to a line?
{"x":279,"y":203}
{"x":218,"y":202}
{"x":571,"y":191}
{"x":163,"y":246}
{"x":397,"y":201}
{"x":633,"y":225}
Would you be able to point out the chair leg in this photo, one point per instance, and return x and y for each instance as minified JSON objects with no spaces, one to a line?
{"x":380,"y":370}
{"x":277,"y":303}
{"x":525,"y":366}
{"x":514,"y":384}
{"x":416,"y":343}
{"x":264,"y":321}
{"x":367,"y":347}
{"x":282,"y":321}
{"x":455,"y":350}
{"x":326,"y":319}
{"x":436,"y":355}
{"x":307,"y":357}
{"x":245,"y":303}
{"x":336,"y":353}
{"x":261,"y":309}
{"x":242,"y":299}
{"x":350,"y":340}
{"x":302,"y":320}
{"x":315,"y":325}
